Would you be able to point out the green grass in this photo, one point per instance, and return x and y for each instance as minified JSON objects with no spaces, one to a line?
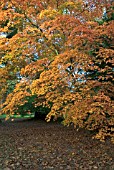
{"x":17,"y":116}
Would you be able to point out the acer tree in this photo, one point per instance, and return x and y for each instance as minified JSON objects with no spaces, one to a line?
{"x":59,"y":55}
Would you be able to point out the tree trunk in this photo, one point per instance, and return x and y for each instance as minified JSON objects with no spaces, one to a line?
{"x":36,"y":115}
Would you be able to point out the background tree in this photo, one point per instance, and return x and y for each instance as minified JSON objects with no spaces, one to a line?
{"x":59,"y":54}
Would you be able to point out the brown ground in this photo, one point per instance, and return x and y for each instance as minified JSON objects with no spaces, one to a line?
{"x":37,"y":145}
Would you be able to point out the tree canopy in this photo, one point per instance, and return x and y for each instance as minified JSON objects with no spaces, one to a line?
{"x":59,"y":55}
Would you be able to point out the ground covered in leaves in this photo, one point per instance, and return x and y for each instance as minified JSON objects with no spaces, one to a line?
{"x":37,"y":145}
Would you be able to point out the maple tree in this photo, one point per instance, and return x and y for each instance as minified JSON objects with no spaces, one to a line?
{"x":59,"y":55}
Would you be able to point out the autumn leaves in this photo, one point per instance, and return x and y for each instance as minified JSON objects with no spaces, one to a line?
{"x":64,"y":61}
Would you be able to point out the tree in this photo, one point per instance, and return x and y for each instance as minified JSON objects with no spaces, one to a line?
{"x":60,"y":56}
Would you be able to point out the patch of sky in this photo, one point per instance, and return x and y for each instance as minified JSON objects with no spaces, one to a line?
{"x":35,"y":56}
{"x":40,"y":40}
{"x":104,"y":13}
{"x":66,"y":11}
{"x":3,"y":35}
{"x":2,"y":65}
{"x":18,"y":76}
{"x":57,"y":40}
{"x":59,"y":66}
{"x":77,"y":71}
{"x":80,"y":80}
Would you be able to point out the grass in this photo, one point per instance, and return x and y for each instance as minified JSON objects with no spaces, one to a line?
{"x":17,"y":116}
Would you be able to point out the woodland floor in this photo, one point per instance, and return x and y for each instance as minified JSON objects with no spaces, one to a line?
{"x":37,"y":145}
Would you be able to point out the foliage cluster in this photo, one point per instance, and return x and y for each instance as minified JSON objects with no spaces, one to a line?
{"x":59,"y":55}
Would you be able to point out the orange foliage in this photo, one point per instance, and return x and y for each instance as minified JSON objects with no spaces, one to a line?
{"x":63,"y":53}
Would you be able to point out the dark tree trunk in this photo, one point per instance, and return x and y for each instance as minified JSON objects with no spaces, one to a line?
{"x":36,"y":115}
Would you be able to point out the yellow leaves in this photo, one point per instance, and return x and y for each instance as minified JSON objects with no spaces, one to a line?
{"x":66,"y":4}
{"x":71,"y":5}
{"x":10,"y":24}
{"x":48,"y":13}
{"x":17,"y":98}
{"x":41,"y":91}
{"x":34,"y":69}
{"x":50,"y":48}
{"x":56,"y":107}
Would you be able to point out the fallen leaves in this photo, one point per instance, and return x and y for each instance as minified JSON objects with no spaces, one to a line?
{"x":40,"y":145}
